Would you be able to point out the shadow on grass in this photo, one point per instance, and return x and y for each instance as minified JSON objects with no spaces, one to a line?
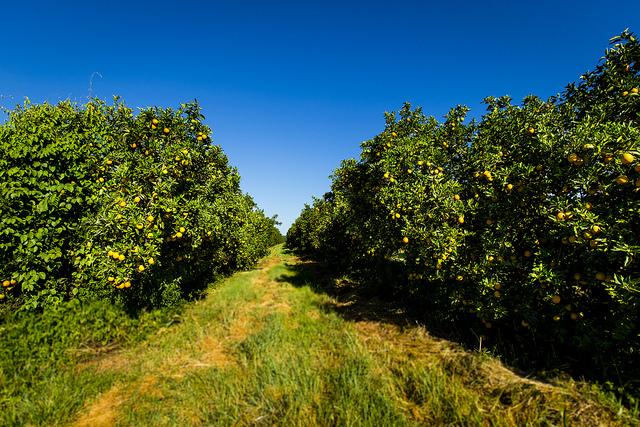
{"x":529,"y":356}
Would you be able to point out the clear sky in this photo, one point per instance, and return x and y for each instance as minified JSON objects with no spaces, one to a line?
{"x":291,"y":88}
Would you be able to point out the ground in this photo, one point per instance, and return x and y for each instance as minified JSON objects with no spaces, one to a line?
{"x":269,"y":347}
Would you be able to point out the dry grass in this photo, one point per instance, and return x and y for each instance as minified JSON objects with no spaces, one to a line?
{"x":285,"y":355}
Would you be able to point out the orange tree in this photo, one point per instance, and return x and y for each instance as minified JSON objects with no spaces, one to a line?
{"x":524,"y":223}
{"x":101,"y":203}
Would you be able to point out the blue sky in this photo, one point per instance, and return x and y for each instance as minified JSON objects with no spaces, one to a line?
{"x":292,"y":88}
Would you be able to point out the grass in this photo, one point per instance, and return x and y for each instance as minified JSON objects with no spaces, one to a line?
{"x":267,"y":347}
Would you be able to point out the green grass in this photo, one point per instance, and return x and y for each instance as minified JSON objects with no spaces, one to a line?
{"x":266,"y":348}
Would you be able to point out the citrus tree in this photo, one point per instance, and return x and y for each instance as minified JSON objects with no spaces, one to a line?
{"x":99,"y":202}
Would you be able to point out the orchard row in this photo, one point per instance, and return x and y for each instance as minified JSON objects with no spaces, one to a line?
{"x":525,"y":222}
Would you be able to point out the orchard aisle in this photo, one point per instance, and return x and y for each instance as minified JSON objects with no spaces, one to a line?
{"x":268,"y":347}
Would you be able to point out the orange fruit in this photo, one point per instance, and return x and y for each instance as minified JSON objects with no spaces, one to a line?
{"x":456,"y":197}
{"x":154,"y":121}
{"x":560,"y":216}
{"x":165,"y":130}
{"x":527,"y":253}
{"x":151,"y":261}
{"x":461,"y":219}
{"x":509,"y":187}
{"x":556,"y":299}
{"x":393,"y":134}
{"x":6,"y":283}
{"x":622,"y":180}
{"x":141,"y":268}
{"x":405,"y":240}
{"x":634,"y":90}
{"x":121,"y":257}
{"x":531,"y":131}
{"x":459,"y":278}
{"x":139,"y":226}
{"x":625,"y":93}
{"x":627,"y":158}
{"x":179,"y":235}
{"x":601,"y":276}
{"x":573,"y":157}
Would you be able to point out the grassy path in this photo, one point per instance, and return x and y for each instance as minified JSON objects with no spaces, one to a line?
{"x":264,"y":348}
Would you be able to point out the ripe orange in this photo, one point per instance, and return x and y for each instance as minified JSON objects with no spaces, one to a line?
{"x":397,"y":215}
{"x":627,"y":158}
{"x":459,"y":278}
{"x":625,"y":93}
{"x":123,"y":204}
{"x":601,"y":276}
{"x":150,"y":218}
{"x":497,"y":294}
{"x":179,"y":235}
{"x":165,"y":131}
{"x":634,"y":90}
{"x":588,"y":206}
{"x":560,"y":216}
{"x":527,"y":253}
{"x":6,"y":283}
{"x":556,"y":299}
{"x":393,"y":134}
{"x":622,"y":180}
{"x":573,"y":157}
{"x":139,"y":226}
{"x":456,"y":197}
{"x":111,"y":279}
{"x":154,"y":121}
{"x":607,"y":157}
{"x":531,"y":131}
{"x":121,"y":257}
{"x":595,"y":229}
{"x":405,"y":240}
{"x":461,"y":219}
{"x":509,"y":187}
{"x":151,"y":261}
{"x":136,"y":199}
{"x":141,"y":268}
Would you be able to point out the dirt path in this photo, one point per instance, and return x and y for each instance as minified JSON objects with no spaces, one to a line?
{"x":264,"y":348}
